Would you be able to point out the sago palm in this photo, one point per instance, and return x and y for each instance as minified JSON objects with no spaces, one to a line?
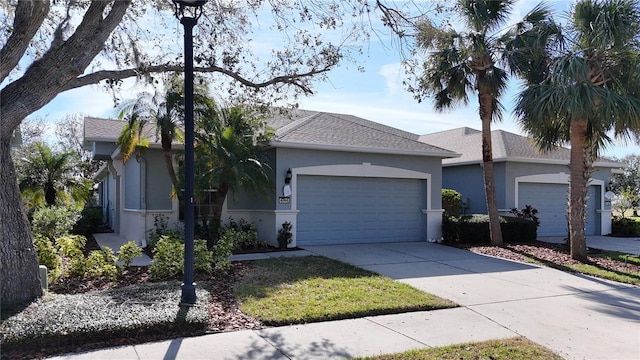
{"x":590,"y":90}
{"x":459,"y":63}
{"x":50,"y":178}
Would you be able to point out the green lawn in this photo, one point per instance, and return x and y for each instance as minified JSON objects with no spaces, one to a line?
{"x":507,"y":349}
{"x":309,"y":289}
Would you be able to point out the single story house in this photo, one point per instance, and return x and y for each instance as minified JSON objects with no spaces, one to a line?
{"x":523,"y":176}
{"x":336,"y":178}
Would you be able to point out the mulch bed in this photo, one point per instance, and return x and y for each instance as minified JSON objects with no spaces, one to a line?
{"x":550,"y":254}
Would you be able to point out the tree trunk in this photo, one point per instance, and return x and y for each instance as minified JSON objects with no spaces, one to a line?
{"x":172,"y":173}
{"x":19,"y":276}
{"x":221,"y":195}
{"x":485,"y":100}
{"x":578,"y":189}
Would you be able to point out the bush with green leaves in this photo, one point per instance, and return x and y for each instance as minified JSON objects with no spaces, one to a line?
{"x":285,"y":236}
{"x":223,"y":249}
{"x":70,"y":246}
{"x":621,"y":226}
{"x":89,"y":221}
{"x":128,"y":252}
{"x":245,"y":235}
{"x":474,"y":229}
{"x":54,"y":222}
{"x":101,"y":264}
{"x":451,"y":202}
{"x":168,"y":257}
{"x":161,"y":228}
{"x":48,"y":256}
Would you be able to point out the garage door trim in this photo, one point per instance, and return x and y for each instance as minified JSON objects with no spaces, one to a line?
{"x":559,"y":178}
{"x":357,"y":170}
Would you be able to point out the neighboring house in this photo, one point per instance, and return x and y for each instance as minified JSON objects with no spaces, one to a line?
{"x":523,"y":176}
{"x":350,"y":181}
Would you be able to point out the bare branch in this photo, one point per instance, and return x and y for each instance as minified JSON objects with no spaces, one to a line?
{"x":29,"y":16}
{"x":96,"y":77}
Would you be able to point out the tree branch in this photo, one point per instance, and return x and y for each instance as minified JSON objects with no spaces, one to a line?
{"x":96,"y":77}
{"x":29,"y":16}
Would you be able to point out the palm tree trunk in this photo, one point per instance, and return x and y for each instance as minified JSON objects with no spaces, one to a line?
{"x":485,"y":102}
{"x":221,"y":195}
{"x":172,"y":172}
{"x":578,"y":189}
{"x":19,"y":279}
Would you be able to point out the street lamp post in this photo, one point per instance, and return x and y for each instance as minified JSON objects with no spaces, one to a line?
{"x":188,"y":12}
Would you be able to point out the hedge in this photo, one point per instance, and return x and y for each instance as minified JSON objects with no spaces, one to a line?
{"x":474,"y":229}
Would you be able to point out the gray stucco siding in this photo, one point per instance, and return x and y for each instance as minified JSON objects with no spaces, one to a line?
{"x":468,"y":181}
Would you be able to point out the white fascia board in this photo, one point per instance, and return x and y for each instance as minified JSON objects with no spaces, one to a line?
{"x":304,"y":146}
{"x":103,"y":170}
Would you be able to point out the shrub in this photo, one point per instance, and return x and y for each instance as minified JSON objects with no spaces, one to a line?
{"x":223,"y":249}
{"x":449,"y":229}
{"x":621,"y":226}
{"x":168,"y":257}
{"x":245,"y":235}
{"x":71,"y":246}
{"x":101,"y":264}
{"x":451,"y":202}
{"x":474,"y":229}
{"x":54,"y":222}
{"x":90,"y":219}
{"x":529,"y":212}
{"x":161,"y":228}
{"x":127,"y":252}
{"x":284,"y":235}
{"x":48,"y":256}
{"x":202,"y":257}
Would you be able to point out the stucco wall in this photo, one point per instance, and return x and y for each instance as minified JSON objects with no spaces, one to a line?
{"x":132,"y":184}
{"x":158,"y":182}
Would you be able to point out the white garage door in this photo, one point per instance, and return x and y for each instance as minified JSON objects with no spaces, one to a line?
{"x":551,"y":202}
{"x":339,"y":210}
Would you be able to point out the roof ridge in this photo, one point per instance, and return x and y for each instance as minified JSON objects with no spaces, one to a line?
{"x":283,"y":131}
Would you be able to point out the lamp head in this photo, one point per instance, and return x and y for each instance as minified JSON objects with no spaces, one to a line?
{"x":188,"y":8}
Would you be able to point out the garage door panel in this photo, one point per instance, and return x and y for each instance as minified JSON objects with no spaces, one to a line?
{"x":551,"y":202}
{"x":357,"y":210}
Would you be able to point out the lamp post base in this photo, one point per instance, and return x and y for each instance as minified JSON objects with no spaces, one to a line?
{"x":188,"y":293}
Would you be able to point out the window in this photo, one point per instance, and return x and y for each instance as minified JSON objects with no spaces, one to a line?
{"x":204,"y":204}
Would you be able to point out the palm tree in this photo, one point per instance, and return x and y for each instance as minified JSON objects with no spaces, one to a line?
{"x":166,"y":114}
{"x":230,"y":154}
{"x":464,"y":62}
{"x":590,"y":90}
{"x":49,"y":178}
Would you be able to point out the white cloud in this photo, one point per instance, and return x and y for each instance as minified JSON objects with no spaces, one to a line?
{"x":393,"y":75}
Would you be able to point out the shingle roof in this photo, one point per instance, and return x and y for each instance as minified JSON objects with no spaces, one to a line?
{"x":339,"y":130}
{"x":506,"y":146}
{"x":303,"y":128}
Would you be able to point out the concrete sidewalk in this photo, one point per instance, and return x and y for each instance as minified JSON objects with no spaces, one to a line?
{"x":576,"y":316}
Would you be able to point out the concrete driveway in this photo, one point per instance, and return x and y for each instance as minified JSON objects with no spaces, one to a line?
{"x":578,"y":317}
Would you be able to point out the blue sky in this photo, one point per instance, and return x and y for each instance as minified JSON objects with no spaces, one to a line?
{"x":376,"y":94}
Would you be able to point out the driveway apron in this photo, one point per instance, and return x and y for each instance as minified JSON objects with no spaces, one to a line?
{"x":578,"y":317}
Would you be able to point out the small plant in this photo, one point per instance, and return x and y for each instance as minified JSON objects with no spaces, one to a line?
{"x":285,"y":236}
{"x":71,"y":247}
{"x":451,"y":202}
{"x":48,"y":256}
{"x":54,"y":222}
{"x":529,"y":212}
{"x":128,"y":252}
{"x":202,"y":257}
{"x":245,"y":235}
{"x":223,"y":249}
{"x":101,"y":264}
{"x":168,"y":257}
